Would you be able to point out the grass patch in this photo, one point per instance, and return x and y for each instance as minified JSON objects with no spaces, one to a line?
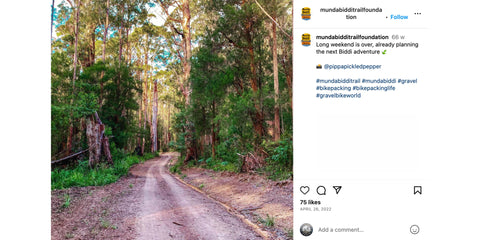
{"x":269,"y":221}
{"x":67,"y":200}
{"x":177,"y":168}
{"x":82,"y":175}
{"x":106,"y":224}
{"x":276,"y":172}
{"x":218,"y":165}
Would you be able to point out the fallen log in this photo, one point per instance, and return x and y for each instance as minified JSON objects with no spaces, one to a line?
{"x":68,"y":157}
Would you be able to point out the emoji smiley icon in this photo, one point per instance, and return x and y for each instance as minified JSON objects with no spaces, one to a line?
{"x":414,"y":229}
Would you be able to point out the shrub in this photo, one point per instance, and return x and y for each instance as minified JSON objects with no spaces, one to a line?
{"x":280,"y":161}
{"x":176,"y":168}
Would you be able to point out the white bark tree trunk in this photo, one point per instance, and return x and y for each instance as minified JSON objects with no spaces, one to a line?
{"x":154,"y":118}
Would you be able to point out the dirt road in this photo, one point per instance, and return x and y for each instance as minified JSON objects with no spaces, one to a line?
{"x":171,"y":210}
{"x":150,"y":203}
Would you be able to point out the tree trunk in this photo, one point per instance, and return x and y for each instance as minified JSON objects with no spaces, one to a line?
{"x":140,"y":109}
{"x":75,"y":58}
{"x":286,"y":62}
{"x":128,"y":44}
{"x":214,"y":136}
{"x":92,"y":49}
{"x":188,"y":42}
{"x":94,"y":138}
{"x":167,"y":138}
{"x":153,"y":129}
{"x":70,"y":137}
{"x":256,"y":115}
{"x":120,"y":32}
{"x":144,"y":107}
{"x":106,"y":149}
{"x":190,"y":142}
{"x":97,"y":141}
{"x":276,"y":129}
{"x":105,"y":32}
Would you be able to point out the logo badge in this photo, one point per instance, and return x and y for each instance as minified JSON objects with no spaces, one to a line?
{"x":306,"y":39}
{"x":306,"y":13}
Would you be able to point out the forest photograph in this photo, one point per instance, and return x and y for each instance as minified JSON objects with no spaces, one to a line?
{"x":171,"y":119}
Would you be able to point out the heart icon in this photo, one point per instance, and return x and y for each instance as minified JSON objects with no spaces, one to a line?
{"x":304,"y":189}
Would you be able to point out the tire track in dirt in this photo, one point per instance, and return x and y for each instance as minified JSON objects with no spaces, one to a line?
{"x":170,"y":210}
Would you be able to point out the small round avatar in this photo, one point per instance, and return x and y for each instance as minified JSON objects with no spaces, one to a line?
{"x":306,"y":229}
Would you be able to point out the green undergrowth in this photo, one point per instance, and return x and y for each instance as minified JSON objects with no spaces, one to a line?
{"x":215,"y":164}
{"x":280,"y":159}
{"x":269,"y":221}
{"x":278,"y":162}
{"x":219,"y":164}
{"x":177,"y":168}
{"x":82,"y":175}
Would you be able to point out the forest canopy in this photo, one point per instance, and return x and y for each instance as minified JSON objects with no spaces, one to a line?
{"x":210,"y":79}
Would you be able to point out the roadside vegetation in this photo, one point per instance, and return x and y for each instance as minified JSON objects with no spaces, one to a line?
{"x":278,"y":163}
{"x":82,"y":175}
{"x":268,"y":221}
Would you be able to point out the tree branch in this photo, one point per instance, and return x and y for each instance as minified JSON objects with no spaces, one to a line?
{"x":291,"y":39}
{"x":231,"y":41}
{"x":70,"y":3}
{"x":165,"y":10}
{"x":176,"y":30}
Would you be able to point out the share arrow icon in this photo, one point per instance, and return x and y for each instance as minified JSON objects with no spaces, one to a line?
{"x":337,"y":188}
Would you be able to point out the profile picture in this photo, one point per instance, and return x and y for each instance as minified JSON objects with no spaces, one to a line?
{"x":306,"y":229}
{"x":306,"y":13}
{"x":306,"y":39}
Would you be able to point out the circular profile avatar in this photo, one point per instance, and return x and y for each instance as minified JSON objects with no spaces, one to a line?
{"x":306,"y":229}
